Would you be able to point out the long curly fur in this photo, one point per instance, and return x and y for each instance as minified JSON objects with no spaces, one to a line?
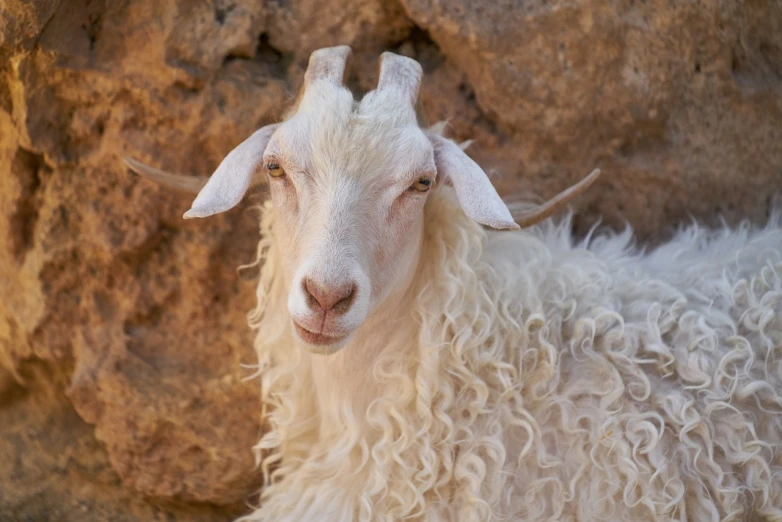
{"x":536,"y":378}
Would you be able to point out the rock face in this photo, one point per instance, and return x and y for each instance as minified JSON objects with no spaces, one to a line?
{"x":122,"y":327}
{"x":680,"y":103}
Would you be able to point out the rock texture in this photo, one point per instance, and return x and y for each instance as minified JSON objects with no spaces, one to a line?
{"x":122,"y":327}
{"x":680,"y":103}
{"x":55,"y":470}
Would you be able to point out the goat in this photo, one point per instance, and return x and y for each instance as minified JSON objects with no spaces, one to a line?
{"x":424,"y":357}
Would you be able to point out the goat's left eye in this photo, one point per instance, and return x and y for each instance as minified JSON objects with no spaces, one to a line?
{"x":422,"y":184}
{"x":275,"y":170}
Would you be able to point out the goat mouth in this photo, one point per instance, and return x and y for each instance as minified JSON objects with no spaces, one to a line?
{"x":316,"y":339}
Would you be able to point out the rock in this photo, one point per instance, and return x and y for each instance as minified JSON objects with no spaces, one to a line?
{"x":679,"y":103}
{"x":123,"y":328}
{"x":54,"y":469}
{"x":101,"y":268}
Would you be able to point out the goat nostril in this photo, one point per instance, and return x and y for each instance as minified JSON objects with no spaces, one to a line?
{"x":337,"y":298}
{"x":342,"y":306}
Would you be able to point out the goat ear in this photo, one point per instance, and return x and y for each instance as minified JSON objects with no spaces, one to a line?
{"x":475,"y":193}
{"x":227,"y":186}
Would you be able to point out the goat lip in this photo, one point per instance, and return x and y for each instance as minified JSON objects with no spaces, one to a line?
{"x":316,"y":339}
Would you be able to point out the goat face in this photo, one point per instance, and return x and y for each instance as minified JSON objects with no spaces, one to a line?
{"x":349,"y":181}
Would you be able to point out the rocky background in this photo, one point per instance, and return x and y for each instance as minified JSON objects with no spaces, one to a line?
{"x":122,"y":327}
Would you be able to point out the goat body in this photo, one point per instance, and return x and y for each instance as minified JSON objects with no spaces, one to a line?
{"x":524,"y":377}
{"x":418,"y":366}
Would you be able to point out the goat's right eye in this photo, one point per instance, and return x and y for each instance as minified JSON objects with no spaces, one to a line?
{"x":275,"y":170}
{"x":422,"y":184}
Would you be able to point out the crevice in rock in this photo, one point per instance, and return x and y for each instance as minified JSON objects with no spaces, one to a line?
{"x":92,"y":28}
{"x":29,"y":169}
{"x":265,"y":53}
{"x":222,"y":12}
{"x":6,"y":102}
{"x":467,"y":91}
{"x":418,"y":44}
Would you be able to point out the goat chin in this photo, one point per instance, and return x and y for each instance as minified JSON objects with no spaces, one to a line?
{"x":536,"y":378}
{"x":319,"y":343}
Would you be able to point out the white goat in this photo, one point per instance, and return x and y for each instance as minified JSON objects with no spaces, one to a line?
{"x":418,"y":366}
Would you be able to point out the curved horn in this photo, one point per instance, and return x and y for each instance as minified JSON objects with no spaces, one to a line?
{"x":178,"y":182}
{"x":329,"y":64}
{"x":400,"y":73}
{"x":556,"y":203}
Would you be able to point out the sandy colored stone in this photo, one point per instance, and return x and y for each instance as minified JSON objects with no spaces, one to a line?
{"x":679,"y":103}
{"x":123,"y":327}
{"x":54,"y":470}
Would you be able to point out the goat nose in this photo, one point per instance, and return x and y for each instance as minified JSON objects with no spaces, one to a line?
{"x":336,"y":298}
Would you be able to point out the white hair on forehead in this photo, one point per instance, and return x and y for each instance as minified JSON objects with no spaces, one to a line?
{"x":336,"y":135}
{"x":394,"y":154}
{"x":386,"y":132}
{"x":388,"y":106}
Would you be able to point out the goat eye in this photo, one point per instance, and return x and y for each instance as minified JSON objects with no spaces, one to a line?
{"x":275,"y":170}
{"x":422,"y":184}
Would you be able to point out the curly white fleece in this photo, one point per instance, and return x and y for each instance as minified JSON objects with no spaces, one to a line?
{"x":537,"y":379}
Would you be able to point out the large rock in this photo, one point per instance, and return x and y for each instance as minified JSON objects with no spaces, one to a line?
{"x":122,"y":327}
{"x":680,"y":103}
{"x":54,"y":470}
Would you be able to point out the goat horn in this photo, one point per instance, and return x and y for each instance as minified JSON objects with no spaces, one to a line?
{"x":182,"y":183}
{"x":187,"y":184}
{"x":400,"y":73}
{"x":330,"y":64}
{"x":556,"y":203}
